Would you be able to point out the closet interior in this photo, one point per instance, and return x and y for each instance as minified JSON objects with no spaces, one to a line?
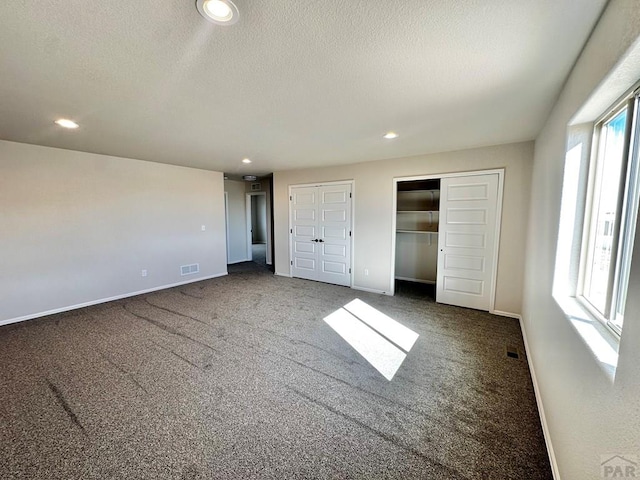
{"x":417,"y":216}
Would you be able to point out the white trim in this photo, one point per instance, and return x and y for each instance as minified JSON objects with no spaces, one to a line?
{"x":436,"y":176}
{"x":286,"y":275}
{"x":543,"y":419}
{"x":226,"y":220}
{"x":371,"y":290}
{"x":105,"y":300}
{"x":321,"y":184}
{"x":494,"y":267}
{"x":586,"y":221}
{"x":352,"y":183}
{"x":394,"y":218}
{"x":416,"y":280}
{"x":352,"y":254}
{"x":248,"y":226}
{"x":238,"y":261}
{"x":506,"y":314}
{"x":496,"y":245}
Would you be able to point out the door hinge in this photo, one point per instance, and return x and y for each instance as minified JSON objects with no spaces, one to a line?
{"x":290,"y":197}
{"x":349,"y":194}
{"x":349,"y":270}
{"x":291,"y":230}
{"x":291,"y":262}
{"x":349,"y":232}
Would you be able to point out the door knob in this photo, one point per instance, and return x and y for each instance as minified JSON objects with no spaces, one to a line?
{"x":314,"y":240}
{"x":321,"y":241}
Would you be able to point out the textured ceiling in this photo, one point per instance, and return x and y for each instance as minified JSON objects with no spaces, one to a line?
{"x":293,"y":84}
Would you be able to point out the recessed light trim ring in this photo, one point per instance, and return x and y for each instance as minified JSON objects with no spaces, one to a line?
{"x":220,"y":12}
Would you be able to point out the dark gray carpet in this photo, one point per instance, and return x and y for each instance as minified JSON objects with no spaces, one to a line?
{"x":239,"y":377}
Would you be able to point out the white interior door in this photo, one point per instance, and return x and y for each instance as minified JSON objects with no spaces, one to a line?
{"x":304,"y":232}
{"x":321,"y":233}
{"x":467,"y":240}
{"x":334,"y":222}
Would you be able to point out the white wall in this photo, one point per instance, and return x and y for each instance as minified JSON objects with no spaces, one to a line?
{"x":77,"y":228}
{"x":237,"y":208}
{"x":587,"y":414}
{"x":374,"y":210}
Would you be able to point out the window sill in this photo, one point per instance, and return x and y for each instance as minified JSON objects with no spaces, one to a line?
{"x":602,"y":343}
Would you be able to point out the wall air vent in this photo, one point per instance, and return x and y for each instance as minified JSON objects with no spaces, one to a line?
{"x":189,"y":269}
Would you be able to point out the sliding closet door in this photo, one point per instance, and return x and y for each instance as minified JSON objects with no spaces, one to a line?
{"x":467,"y":240}
{"x":321,"y":233}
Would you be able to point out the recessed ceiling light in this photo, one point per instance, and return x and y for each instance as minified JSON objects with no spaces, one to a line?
{"x":220,"y":12}
{"x":246,"y":160}
{"x":390,"y":135}
{"x":66,"y":123}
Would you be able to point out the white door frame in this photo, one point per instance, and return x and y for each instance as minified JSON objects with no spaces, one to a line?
{"x":226,"y":220}
{"x":249,"y":224}
{"x":353,"y":210}
{"x":494,"y":266}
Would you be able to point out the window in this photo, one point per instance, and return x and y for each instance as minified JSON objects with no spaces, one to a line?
{"x":611,"y":215}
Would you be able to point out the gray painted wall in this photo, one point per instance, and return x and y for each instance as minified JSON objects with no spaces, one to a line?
{"x":374,"y":210}
{"x":587,"y":413}
{"x":78,"y":227}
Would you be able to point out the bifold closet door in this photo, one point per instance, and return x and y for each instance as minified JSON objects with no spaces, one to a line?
{"x":321,"y":233}
{"x":467,"y":240}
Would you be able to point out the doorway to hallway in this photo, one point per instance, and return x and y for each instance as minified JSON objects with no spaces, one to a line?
{"x":257,"y":237}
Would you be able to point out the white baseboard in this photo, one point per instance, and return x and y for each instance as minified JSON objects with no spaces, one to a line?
{"x":353,"y":287}
{"x":371,"y":290}
{"x":364,"y":289}
{"x":506,"y":314}
{"x":238,"y":261}
{"x":105,"y":300}
{"x":543,"y":419}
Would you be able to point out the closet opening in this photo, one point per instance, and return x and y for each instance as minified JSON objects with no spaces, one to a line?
{"x":446,"y":237}
{"x":417,"y":218}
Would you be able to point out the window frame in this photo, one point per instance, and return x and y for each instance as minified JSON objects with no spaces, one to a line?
{"x":624,"y":224}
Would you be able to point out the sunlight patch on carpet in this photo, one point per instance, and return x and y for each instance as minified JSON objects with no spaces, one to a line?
{"x":381,"y":340}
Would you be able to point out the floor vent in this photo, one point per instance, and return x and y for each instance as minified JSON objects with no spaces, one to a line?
{"x":189,"y":269}
{"x":513,"y":352}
